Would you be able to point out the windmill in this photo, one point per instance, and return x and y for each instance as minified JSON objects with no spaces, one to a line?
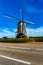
{"x":21,"y":26}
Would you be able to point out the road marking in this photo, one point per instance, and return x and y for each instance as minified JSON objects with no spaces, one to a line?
{"x":40,"y":49}
{"x":16,"y":47}
{"x":22,"y":48}
{"x":21,"y":61}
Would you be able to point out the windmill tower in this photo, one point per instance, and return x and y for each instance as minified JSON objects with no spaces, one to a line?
{"x":21,"y":26}
{"x":21,"y":29}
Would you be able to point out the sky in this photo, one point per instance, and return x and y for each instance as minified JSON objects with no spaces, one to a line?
{"x":32,"y":11}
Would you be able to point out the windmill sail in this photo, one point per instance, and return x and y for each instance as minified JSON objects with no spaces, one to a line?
{"x":29,"y":22}
{"x":21,"y":12}
{"x":8,"y":16}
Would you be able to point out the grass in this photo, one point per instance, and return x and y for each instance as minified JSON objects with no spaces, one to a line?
{"x":16,"y":40}
{"x":22,"y":40}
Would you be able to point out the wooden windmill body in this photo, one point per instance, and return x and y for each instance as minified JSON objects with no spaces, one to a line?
{"x":21,"y":30}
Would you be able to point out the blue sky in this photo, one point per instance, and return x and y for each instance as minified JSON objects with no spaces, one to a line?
{"x":32,"y":11}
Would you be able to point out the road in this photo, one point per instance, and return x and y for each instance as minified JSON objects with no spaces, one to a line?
{"x":21,"y":55}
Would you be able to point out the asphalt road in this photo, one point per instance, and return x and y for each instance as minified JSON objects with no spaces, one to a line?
{"x":23,"y":55}
{"x":4,"y":61}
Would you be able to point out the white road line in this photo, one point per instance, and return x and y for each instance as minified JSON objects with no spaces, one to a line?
{"x":21,"y":61}
{"x":16,"y":47}
{"x":40,"y":49}
{"x":20,"y":47}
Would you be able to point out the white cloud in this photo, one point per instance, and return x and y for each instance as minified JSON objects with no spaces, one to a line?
{"x":30,"y":32}
{"x":6,"y":32}
{"x":35,"y":32}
